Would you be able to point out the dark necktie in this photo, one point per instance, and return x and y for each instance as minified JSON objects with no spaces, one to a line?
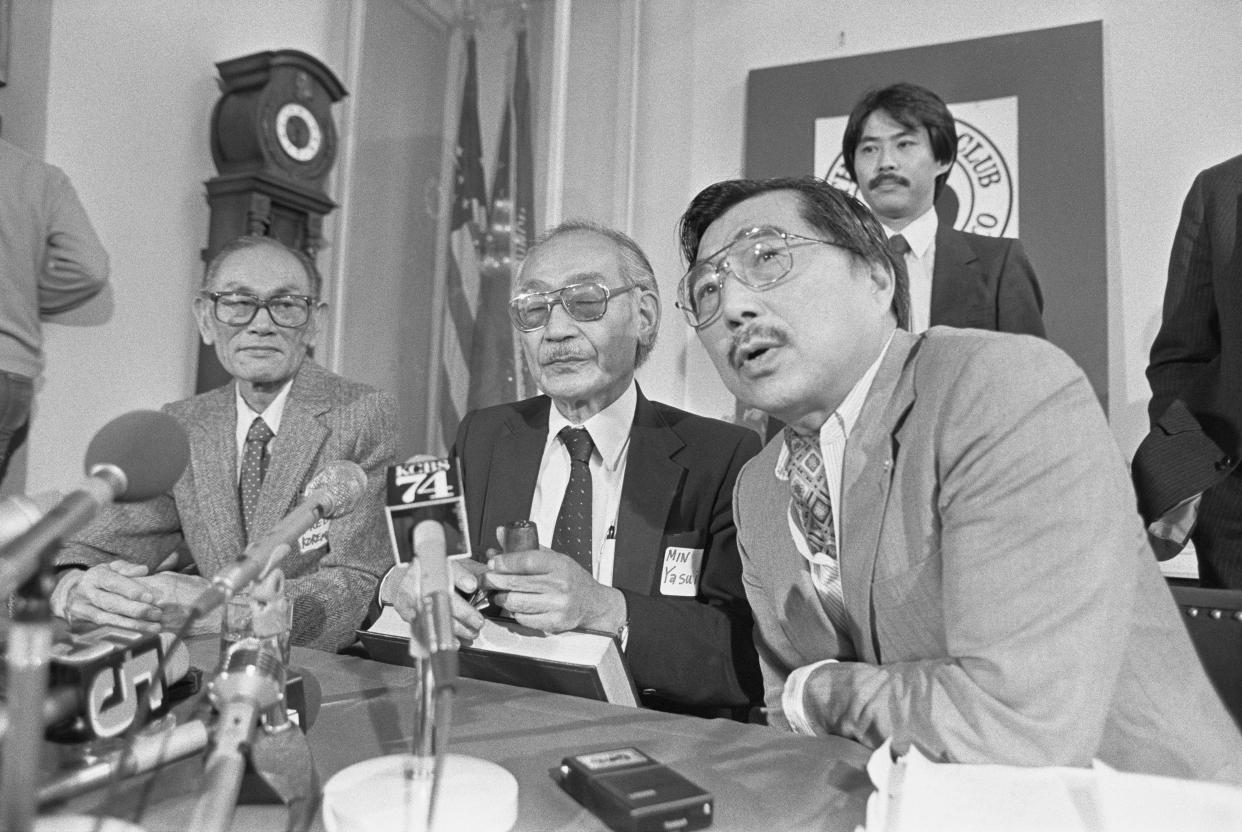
{"x":573,"y":524}
{"x":899,"y":245}
{"x":808,"y":484}
{"x":253,"y":469}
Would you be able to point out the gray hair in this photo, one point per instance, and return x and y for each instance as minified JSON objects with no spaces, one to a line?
{"x":636,"y":269}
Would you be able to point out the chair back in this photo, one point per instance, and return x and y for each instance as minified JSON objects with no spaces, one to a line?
{"x":1214,"y":619}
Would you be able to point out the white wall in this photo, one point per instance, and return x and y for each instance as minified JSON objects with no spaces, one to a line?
{"x":1170,"y":90}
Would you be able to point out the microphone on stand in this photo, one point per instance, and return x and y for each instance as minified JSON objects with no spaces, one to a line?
{"x":134,"y":457}
{"x":250,"y":684}
{"x":433,"y":633}
{"x":342,"y":484}
{"x":436,"y":611}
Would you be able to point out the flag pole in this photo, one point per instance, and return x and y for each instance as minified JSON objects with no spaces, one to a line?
{"x":454,"y":84}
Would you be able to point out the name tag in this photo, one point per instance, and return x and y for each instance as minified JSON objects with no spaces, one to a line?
{"x":316,"y":537}
{"x":680,"y":575}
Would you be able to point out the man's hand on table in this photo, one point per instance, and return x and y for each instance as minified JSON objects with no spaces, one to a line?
{"x":123,"y":594}
{"x":466,"y":619}
{"x":109,"y":593}
{"x":175,"y":592}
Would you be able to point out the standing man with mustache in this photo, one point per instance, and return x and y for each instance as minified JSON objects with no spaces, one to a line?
{"x":938,"y":550}
{"x":899,"y":145}
{"x":632,"y":498}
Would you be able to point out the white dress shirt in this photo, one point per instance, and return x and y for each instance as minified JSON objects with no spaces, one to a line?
{"x":833,"y":435}
{"x":610,"y":431}
{"x":246,"y":416}
{"x":921,"y":265}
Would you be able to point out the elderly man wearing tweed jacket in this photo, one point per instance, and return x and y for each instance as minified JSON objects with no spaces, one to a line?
{"x":255,"y":445}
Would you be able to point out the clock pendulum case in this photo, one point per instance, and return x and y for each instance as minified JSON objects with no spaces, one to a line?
{"x":273,"y":142}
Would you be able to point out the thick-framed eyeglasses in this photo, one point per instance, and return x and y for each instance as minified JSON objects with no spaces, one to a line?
{"x":583,"y":301}
{"x":239,"y":308}
{"x":760,"y":258}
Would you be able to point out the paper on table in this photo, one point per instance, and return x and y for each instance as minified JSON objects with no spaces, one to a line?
{"x":913,"y":793}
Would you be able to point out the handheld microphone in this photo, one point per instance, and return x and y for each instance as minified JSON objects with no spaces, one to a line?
{"x":134,"y":457}
{"x":436,"y":614}
{"x":341,"y":486}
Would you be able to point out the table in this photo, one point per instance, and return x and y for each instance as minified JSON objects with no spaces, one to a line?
{"x":761,"y":778}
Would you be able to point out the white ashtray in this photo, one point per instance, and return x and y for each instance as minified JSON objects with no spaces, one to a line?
{"x":377,"y":796}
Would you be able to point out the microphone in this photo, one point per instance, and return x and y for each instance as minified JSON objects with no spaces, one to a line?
{"x":436,"y":615}
{"x":146,"y":754}
{"x":19,"y":512}
{"x":341,"y":485}
{"x":134,"y":457}
{"x":249,"y":685}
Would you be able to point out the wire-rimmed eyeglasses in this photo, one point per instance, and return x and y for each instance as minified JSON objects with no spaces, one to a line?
{"x":583,"y":301}
{"x":239,"y":308}
{"x":760,"y":258}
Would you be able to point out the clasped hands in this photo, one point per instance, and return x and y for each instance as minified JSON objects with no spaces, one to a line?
{"x":542,"y":589}
{"x":124,"y":594}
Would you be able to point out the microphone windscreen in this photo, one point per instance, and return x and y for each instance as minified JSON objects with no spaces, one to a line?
{"x":341,"y":484}
{"x":148,"y":446}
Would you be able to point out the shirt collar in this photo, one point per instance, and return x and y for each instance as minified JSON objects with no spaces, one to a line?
{"x":609,"y":429}
{"x":847,"y":413}
{"x":272,"y":416}
{"x":920,"y":234}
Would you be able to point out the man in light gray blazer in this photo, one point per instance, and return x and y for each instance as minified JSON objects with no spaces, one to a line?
{"x":260,"y":307}
{"x":943,"y":547}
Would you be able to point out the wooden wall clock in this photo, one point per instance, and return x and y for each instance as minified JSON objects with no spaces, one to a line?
{"x":273,"y":142}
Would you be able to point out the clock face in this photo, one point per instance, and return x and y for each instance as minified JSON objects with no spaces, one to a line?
{"x":299,"y":133}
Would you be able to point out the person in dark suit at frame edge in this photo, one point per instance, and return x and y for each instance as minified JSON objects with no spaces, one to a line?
{"x":255,"y":445}
{"x":1186,"y":471}
{"x":648,"y":551}
{"x":899,"y":145}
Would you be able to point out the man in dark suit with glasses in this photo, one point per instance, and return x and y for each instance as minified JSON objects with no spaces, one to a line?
{"x":632,"y":498}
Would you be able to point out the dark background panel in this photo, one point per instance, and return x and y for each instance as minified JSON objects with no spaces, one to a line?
{"x":1057,"y":77}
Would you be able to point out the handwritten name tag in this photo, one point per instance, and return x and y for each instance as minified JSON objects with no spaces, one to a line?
{"x":680,"y":574}
{"x":316,"y":537}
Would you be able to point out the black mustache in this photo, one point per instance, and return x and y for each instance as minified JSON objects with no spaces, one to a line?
{"x":877,"y":181}
{"x":742,"y":338}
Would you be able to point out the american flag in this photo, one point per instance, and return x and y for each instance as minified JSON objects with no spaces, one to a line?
{"x":462,"y":279}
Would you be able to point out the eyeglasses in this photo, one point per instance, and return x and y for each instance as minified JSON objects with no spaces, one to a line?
{"x":583,"y":301}
{"x":239,"y":308}
{"x":759,"y":258}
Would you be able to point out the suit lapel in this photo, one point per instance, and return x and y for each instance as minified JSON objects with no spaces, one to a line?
{"x":515,"y":469}
{"x":958,"y":296}
{"x":652,"y":479}
{"x":213,"y":460}
{"x":295,"y":447}
{"x":870,"y":458}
